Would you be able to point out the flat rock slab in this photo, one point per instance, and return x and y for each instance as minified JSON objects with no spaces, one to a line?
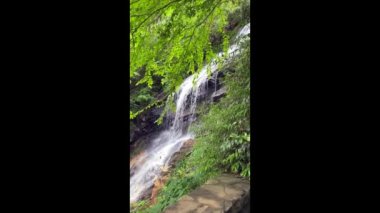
{"x":226,"y":193}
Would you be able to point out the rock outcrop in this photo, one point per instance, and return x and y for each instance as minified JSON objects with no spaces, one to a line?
{"x":219,"y":94}
{"x":144,"y":124}
{"x":157,"y":186}
{"x":160,"y":181}
{"x":183,"y":151}
{"x":226,"y":193}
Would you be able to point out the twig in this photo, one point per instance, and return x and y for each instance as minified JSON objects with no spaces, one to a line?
{"x":150,"y":15}
{"x":199,"y":24}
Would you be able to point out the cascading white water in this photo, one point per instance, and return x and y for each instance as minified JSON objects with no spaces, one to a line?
{"x":148,"y":166}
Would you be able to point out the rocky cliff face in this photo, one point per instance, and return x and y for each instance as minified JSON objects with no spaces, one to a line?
{"x":144,"y":124}
{"x":143,"y":128}
{"x":160,"y":182}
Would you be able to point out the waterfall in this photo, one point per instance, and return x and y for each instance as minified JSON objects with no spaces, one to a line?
{"x":148,"y":166}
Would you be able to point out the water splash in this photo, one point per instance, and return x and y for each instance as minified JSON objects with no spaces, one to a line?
{"x":148,"y":166}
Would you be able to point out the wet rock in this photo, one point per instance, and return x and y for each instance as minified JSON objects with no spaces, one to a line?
{"x":216,"y":39}
{"x":160,"y":181}
{"x":147,"y":194}
{"x":165,"y":170}
{"x":131,"y":136}
{"x":233,"y":22}
{"x":219,"y":94}
{"x":187,"y":145}
{"x":157,"y":186}
{"x":187,"y":115}
{"x":138,"y":146}
{"x":144,"y":124}
{"x":183,"y":151}
{"x":137,"y":159}
{"x":156,"y":112}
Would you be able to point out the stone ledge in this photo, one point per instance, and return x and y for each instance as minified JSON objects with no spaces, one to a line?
{"x":226,"y":193}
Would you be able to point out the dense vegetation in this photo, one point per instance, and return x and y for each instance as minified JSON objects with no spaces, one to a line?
{"x":222,"y":140}
{"x":171,"y":39}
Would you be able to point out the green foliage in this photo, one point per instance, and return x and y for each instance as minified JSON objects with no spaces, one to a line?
{"x":171,"y":38}
{"x":169,"y":107}
{"x":141,"y":98}
{"x":222,"y":139}
{"x":156,"y":103}
{"x":174,"y":189}
{"x":139,"y":206}
{"x":222,"y":133}
{"x":237,"y":153}
{"x":144,"y":98}
{"x":184,"y":178}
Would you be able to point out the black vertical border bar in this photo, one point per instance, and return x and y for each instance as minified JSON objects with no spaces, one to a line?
{"x":253,"y":105}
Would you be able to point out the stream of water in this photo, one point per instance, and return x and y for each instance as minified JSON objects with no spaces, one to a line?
{"x":160,"y":150}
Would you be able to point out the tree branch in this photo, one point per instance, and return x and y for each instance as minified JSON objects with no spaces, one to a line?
{"x":133,"y":2}
{"x":199,"y":24}
{"x":161,"y":8}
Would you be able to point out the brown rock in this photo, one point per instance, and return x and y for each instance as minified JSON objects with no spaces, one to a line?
{"x":183,"y":151}
{"x":156,"y":187}
{"x":188,"y":144}
{"x":233,"y":193}
{"x":217,"y":190}
{"x":160,"y":181}
{"x":185,"y":206}
{"x":146,"y":194}
{"x":136,"y":160}
{"x":165,"y":169}
{"x":212,"y":181}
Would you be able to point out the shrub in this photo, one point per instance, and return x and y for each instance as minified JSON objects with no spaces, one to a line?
{"x":222,"y":139}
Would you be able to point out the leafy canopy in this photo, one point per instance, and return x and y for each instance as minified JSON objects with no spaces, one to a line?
{"x":171,"y":38}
